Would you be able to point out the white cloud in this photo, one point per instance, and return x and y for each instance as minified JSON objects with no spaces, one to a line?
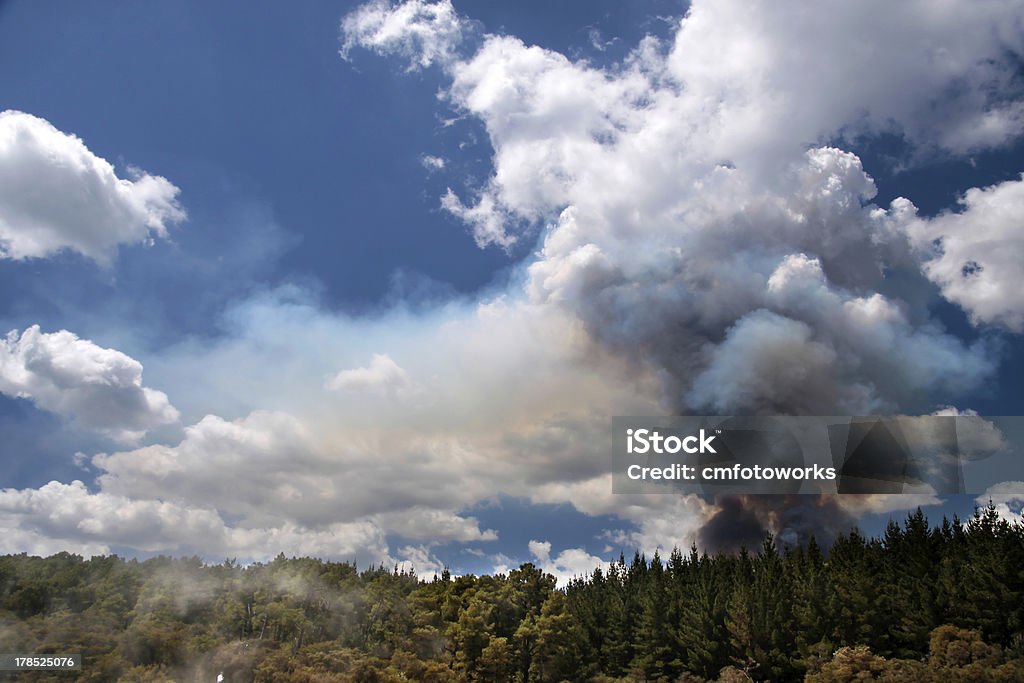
{"x":99,"y":388}
{"x":568,"y":564}
{"x":269,"y":467}
{"x":881,"y":503}
{"x":55,"y":194}
{"x":273,"y":477}
{"x":421,"y":32}
{"x":71,"y":516}
{"x":487,"y":220}
{"x":432,"y":163}
{"x":973,"y":437}
{"x":382,"y":375}
{"x":502,"y":564}
{"x":661,"y":521}
{"x":941,"y":75}
{"x":738,"y":83}
{"x":16,"y":540}
{"x":420,"y":560}
{"x":249,"y":488}
{"x":976,"y":256}
{"x":433,"y":525}
{"x":1008,"y":498}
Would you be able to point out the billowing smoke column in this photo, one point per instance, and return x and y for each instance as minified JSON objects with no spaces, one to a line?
{"x":696,"y":223}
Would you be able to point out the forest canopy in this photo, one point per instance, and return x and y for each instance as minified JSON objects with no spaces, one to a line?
{"x":923,"y":602}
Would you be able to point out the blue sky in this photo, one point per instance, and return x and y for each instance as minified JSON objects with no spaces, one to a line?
{"x":401,"y":290}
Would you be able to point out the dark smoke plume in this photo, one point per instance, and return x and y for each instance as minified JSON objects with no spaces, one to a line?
{"x":741,"y":521}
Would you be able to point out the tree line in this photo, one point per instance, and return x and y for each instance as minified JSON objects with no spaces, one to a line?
{"x":920,"y":603}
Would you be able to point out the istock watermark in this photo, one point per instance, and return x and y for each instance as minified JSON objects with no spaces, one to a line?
{"x":649,"y":440}
{"x":932,"y":454}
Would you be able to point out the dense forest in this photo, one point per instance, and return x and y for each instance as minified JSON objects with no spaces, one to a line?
{"x":922,"y":603}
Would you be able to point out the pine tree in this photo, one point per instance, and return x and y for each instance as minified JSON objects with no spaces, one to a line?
{"x":702,"y":633}
{"x":653,"y":651}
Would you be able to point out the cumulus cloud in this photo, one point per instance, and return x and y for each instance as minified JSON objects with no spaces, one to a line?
{"x":432,"y":525}
{"x":266,"y":467}
{"x":57,"y":195}
{"x":487,"y":221}
{"x":97,"y":387}
{"x":432,"y":163}
{"x":408,"y":463}
{"x":972,"y":437}
{"x":659,"y":522}
{"x":568,"y":564}
{"x":856,"y":504}
{"x":664,"y":235}
{"x":382,"y":374}
{"x":737,"y":83}
{"x":18,"y":540}
{"x":421,"y":561}
{"x":694,"y":223}
{"x":976,"y":255}
{"x":943,"y":76}
{"x":75,"y":517}
{"x":421,"y":32}
{"x":349,"y":468}
{"x":248,"y":488}
{"x":1008,"y":498}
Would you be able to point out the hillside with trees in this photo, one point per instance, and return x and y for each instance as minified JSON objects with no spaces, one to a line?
{"x":921,"y":603}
